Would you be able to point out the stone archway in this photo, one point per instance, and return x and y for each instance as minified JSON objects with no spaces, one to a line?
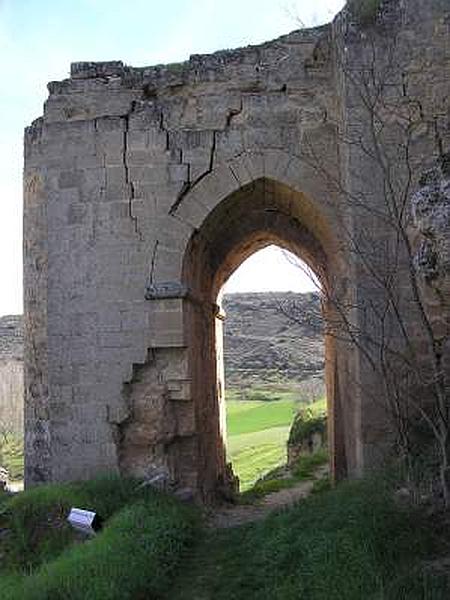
{"x":145,"y":187}
{"x":257,"y":214}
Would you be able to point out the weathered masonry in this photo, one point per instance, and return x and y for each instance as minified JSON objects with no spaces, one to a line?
{"x":146,"y":187}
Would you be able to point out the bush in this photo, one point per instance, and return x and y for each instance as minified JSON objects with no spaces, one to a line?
{"x":306,"y":423}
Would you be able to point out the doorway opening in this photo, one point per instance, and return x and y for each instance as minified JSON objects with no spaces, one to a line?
{"x":255,"y":216}
{"x":273,"y":360}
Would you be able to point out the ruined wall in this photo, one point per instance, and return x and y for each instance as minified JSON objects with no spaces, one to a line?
{"x":395,"y":127}
{"x":146,"y":187}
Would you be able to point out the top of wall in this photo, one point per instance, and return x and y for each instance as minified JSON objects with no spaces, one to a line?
{"x":182,"y":72}
{"x":208,"y":67}
{"x":98,"y":89}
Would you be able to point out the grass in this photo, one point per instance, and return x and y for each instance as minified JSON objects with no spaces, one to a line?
{"x":257,"y":435}
{"x":280,"y":479}
{"x":354,"y":541}
{"x":349,"y":543}
{"x":254,"y":454}
{"x":308,"y":464}
{"x":251,"y":416}
{"x":37,"y":518}
{"x":11,"y":455}
{"x":134,"y":556}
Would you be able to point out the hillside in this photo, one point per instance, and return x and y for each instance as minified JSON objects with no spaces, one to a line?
{"x":11,"y":337}
{"x":11,"y":373}
{"x":272,"y":338}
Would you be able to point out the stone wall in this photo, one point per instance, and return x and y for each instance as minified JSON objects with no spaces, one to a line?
{"x":146,"y":187}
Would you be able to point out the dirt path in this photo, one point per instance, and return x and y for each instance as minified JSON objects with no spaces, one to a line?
{"x":240,"y":514}
{"x":199,"y":577}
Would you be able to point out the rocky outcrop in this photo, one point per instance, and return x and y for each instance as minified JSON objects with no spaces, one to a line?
{"x":11,"y":373}
{"x":431,"y":217}
{"x":308,"y":435}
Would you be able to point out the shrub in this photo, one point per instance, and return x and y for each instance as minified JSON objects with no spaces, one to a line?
{"x":306,"y":423}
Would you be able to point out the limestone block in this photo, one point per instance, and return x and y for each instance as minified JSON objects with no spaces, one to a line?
{"x":146,"y":114}
{"x":179,"y":389}
{"x":190,"y":211}
{"x":148,"y":174}
{"x":184,"y":415}
{"x":219,"y":184}
{"x":167,"y":323}
{"x":168,"y":264}
{"x":73,"y":107}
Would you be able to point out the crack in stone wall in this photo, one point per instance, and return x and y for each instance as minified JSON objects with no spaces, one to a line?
{"x":127,"y":170}
{"x":188,"y":185}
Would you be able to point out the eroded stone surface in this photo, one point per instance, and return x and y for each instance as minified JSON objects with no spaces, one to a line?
{"x":431,"y":216}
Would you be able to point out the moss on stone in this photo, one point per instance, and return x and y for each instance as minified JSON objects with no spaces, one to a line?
{"x":176,"y":67}
{"x":364,"y":11}
{"x":306,"y":424}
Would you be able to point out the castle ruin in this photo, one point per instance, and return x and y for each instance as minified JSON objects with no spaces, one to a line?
{"x":145,"y":188}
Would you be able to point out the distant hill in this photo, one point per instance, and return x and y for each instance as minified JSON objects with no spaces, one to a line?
{"x":272,"y":337}
{"x":11,"y":337}
{"x":11,"y":373}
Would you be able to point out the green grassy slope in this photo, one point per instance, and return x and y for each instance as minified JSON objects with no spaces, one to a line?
{"x":254,"y":454}
{"x":350,"y":543}
{"x":356,"y":541}
{"x":248,"y":416}
{"x":134,"y":556}
{"x":257,"y":434}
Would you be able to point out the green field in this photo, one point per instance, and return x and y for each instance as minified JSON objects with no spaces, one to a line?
{"x":257,"y":432}
{"x":11,"y":455}
{"x":257,"y":436}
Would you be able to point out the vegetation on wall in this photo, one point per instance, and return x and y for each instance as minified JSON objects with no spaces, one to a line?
{"x":307,"y":422}
{"x":364,"y":11}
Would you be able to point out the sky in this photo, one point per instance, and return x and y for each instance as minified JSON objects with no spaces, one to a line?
{"x":40,"y":38}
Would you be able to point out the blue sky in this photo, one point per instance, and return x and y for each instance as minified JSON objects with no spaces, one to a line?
{"x":40,"y":38}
